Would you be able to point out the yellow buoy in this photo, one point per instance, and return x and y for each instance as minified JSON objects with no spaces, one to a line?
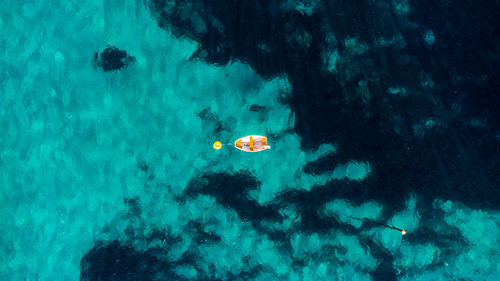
{"x":403,"y":232}
{"x":217,"y":145}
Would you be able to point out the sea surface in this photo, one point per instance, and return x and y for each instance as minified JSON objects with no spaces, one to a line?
{"x":383,"y":118}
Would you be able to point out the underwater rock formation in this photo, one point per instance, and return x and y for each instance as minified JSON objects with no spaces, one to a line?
{"x":112,"y":58}
{"x":370,"y":82}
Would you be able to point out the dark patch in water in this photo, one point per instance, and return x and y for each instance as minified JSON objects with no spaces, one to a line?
{"x":203,"y":236}
{"x":142,"y":166}
{"x":112,"y":58}
{"x":231,"y":191}
{"x":134,"y":207}
{"x":323,"y":164}
{"x":257,"y":108}
{"x":119,"y":262}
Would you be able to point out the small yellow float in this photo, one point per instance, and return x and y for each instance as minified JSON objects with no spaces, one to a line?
{"x":217,"y":145}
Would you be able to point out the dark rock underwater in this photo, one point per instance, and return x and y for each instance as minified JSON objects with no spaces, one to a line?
{"x":410,"y":87}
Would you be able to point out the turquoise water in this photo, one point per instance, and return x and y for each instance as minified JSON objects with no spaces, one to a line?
{"x":73,"y":138}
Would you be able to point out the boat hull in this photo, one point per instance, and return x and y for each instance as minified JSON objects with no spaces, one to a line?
{"x":252,"y":143}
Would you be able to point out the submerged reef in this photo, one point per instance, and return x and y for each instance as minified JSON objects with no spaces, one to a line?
{"x":112,"y":58}
{"x":366,"y":78}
